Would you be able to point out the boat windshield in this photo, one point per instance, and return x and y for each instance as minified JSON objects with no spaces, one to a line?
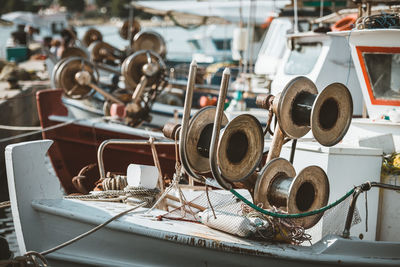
{"x":383,"y":72}
{"x":302,"y":58}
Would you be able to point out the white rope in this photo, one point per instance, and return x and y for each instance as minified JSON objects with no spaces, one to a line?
{"x":46,"y":129}
{"x":5,"y":204}
{"x":20,"y":128}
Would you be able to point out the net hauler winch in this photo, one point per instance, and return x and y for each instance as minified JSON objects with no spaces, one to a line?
{"x":232,"y":151}
{"x":298,"y":109}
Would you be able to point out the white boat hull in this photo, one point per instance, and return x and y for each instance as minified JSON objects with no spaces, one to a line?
{"x":43,"y":219}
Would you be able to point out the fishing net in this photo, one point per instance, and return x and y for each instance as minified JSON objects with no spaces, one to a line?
{"x":221,"y":210}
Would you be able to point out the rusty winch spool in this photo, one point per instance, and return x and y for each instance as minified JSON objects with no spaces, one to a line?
{"x":150,"y":40}
{"x":90,"y":36}
{"x":100,"y":51}
{"x":300,"y":108}
{"x":134,"y":29}
{"x":231,"y":154}
{"x":64,"y":77}
{"x":73,"y":52}
{"x":278,"y":186}
{"x":143,"y":63}
{"x":78,"y":77}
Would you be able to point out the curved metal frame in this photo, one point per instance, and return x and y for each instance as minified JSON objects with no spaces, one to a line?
{"x":185,"y":123}
{"x":100,"y":150}
{"x":216,"y":130}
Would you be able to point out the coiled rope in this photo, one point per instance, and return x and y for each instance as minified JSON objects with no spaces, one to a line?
{"x":5,"y":204}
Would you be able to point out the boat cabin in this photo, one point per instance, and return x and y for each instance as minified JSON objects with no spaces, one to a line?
{"x":322,"y":58}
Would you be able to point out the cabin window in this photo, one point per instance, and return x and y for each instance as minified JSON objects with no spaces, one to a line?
{"x":302,"y":58}
{"x":194,"y":44}
{"x":383,"y":72}
{"x":222,"y":44}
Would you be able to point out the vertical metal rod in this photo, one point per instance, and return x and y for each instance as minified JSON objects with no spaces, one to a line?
{"x":139,"y":89}
{"x":185,"y":121}
{"x":216,"y":129}
{"x":293,"y":150}
{"x":296,"y":17}
{"x":276,"y":144}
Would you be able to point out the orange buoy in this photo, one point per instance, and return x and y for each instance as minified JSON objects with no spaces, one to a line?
{"x":345,"y":24}
{"x":207,"y":101}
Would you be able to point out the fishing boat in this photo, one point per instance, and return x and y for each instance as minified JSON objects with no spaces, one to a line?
{"x":229,"y":158}
{"x":41,"y":213}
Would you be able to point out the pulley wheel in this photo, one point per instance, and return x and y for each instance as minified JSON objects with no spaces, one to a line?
{"x":100,"y":51}
{"x":199,"y":138}
{"x":150,"y":40}
{"x":240,"y":148}
{"x":331,"y":114}
{"x":276,"y":168}
{"x":65,"y":77}
{"x":308,"y":191}
{"x":132,"y":68}
{"x":90,"y":36}
{"x":54,"y":76}
{"x":287,"y":97}
{"x":124,"y":31}
{"x":73,"y":52}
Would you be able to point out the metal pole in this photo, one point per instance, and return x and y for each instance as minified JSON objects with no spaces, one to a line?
{"x":100,"y":150}
{"x":216,"y":129}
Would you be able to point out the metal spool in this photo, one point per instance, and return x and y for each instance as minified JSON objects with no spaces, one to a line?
{"x":240,"y":148}
{"x":299,"y":108}
{"x":124,"y":31}
{"x":199,"y":138}
{"x":277,"y":185}
{"x":90,"y":36}
{"x":141,"y":63}
{"x":101,"y":51}
{"x":149,"y":40}
{"x":65,"y":77}
{"x":53,"y":76}
{"x":331,"y":114}
{"x":73,"y":52}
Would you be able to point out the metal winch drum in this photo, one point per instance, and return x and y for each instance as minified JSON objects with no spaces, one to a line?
{"x":124,"y":30}
{"x":100,"y":51}
{"x":150,"y":40}
{"x":66,"y":72}
{"x":90,"y":36}
{"x":278,"y":186}
{"x":73,"y":52}
{"x":232,"y":154}
{"x":300,"y":108}
{"x":141,"y":63}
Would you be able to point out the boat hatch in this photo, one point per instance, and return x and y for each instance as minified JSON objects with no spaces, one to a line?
{"x":380,"y":67}
{"x":302,"y":58}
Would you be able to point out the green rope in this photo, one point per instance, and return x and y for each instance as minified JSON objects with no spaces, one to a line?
{"x":297,"y":215}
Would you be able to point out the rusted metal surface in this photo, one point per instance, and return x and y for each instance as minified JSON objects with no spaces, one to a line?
{"x":170,"y":130}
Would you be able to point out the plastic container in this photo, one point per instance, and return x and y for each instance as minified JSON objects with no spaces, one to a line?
{"x":17,"y":54}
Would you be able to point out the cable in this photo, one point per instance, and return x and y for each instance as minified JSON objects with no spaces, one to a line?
{"x":292,"y":216}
